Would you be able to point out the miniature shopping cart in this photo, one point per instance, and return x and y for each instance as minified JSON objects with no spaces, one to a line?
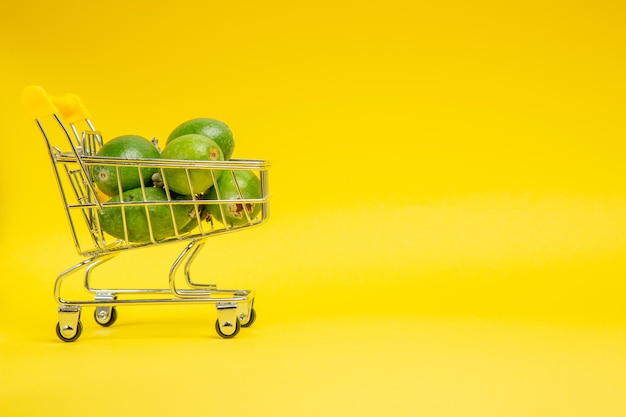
{"x":72,"y":143}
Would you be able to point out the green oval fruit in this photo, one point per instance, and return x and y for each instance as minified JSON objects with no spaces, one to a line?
{"x":137,"y":220}
{"x":125,"y":147}
{"x":212,"y":128}
{"x":191,"y":147}
{"x":200,"y":216}
{"x":247,"y":186}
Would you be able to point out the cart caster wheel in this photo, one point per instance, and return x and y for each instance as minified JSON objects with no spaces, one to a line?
{"x":105,"y":316}
{"x":63,"y":333}
{"x":230,"y":329}
{"x":251,"y":319}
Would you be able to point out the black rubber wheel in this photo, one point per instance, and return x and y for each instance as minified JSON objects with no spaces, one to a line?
{"x":112,"y":317}
{"x":79,"y":330}
{"x":227,"y":336}
{"x":251,"y":320}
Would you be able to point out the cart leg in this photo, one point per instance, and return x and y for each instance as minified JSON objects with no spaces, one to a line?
{"x":191,"y":257}
{"x":227,"y":324}
{"x":187,"y":256}
{"x":69,"y":326}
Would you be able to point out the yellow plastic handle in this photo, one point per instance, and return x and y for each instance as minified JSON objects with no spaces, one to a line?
{"x":39,"y":104}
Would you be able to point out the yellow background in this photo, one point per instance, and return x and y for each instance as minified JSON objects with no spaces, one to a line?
{"x":447,"y":235}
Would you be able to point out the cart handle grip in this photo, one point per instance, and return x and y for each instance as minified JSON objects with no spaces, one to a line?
{"x":40,"y":104}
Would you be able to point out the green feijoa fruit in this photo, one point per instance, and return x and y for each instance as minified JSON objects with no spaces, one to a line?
{"x":212,"y":128}
{"x":235,"y":185}
{"x":138,"y":227}
{"x":191,"y":147}
{"x":125,"y":147}
{"x":196,"y":217}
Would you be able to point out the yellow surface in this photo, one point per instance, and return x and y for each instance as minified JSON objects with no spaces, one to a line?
{"x":448,"y":214}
